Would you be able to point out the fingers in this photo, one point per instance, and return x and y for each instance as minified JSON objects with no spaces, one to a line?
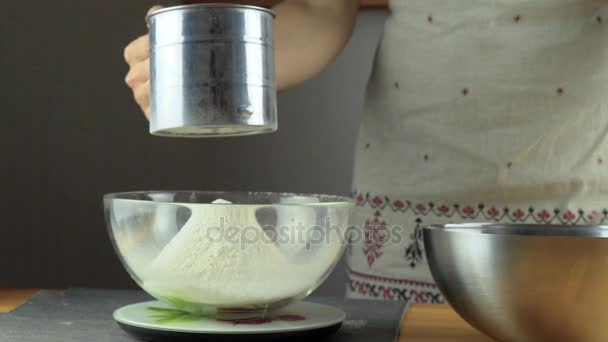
{"x":138,"y":50}
{"x":138,"y":73}
{"x":154,"y":9}
{"x":138,"y":80}
{"x":141,"y":93}
{"x":147,"y":112}
{"x":137,"y":55}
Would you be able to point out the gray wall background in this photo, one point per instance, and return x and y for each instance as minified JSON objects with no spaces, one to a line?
{"x":72,"y":133}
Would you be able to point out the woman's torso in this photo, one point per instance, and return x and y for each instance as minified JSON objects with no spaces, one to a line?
{"x":498,"y":108}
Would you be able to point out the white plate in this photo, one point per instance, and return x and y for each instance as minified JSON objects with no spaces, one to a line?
{"x":298,"y":317}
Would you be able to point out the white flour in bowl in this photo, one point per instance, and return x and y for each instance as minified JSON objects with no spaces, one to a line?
{"x":203,"y":263}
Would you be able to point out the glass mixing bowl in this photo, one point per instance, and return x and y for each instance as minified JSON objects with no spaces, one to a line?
{"x":243,"y":256}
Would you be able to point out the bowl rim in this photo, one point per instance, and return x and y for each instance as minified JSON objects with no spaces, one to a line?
{"x":335,"y":200}
{"x":523,"y":229}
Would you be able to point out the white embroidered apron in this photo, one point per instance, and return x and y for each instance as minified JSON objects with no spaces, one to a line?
{"x":477,"y":110}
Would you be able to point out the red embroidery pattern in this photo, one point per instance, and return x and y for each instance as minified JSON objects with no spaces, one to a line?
{"x":391,"y":292}
{"x":375,"y":237}
{"x":481,"y":212}
{"x":390,"y":280}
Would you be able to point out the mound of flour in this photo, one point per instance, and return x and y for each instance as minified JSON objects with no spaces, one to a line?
{"x":207,"y":261}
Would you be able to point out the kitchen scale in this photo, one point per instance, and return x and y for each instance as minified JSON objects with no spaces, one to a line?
{"x":156,"y":321}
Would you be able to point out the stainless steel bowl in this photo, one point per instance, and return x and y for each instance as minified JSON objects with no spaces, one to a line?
{"x":524,"y":282}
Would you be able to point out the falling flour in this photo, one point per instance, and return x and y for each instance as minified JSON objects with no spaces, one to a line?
{"x":202,"y":264}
